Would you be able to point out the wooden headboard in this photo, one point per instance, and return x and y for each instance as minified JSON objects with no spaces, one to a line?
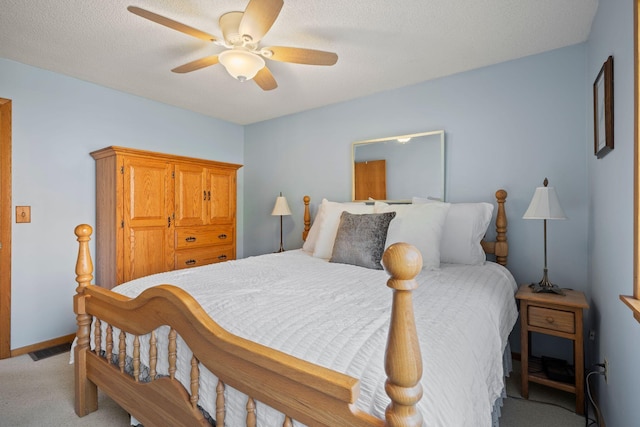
{"x":499,"y":247}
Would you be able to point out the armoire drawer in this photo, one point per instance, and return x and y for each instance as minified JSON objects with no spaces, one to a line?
{"x":202,"y":256}
{"x":192,"y":237}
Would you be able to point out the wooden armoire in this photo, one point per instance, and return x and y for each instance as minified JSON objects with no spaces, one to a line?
{"x":158,"y":212}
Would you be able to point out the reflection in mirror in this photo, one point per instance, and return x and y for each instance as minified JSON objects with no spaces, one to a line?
{"x":399,"y":167}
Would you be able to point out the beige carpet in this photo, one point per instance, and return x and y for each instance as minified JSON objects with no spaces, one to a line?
{"x":40,"y":394}
{"x":546,"y":407}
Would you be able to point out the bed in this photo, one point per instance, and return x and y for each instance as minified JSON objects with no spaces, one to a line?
{"x":325,"y":343}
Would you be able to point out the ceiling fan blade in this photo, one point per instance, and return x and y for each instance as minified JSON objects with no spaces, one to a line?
{"x":258,"y":17}
{"x":175,"y":25}
{"x":265,"y":79}
{"x":197,"y":64}
{"x":302,"y":56}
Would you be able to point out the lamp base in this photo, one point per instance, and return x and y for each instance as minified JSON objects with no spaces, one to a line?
{"x":553,"y":289}
{"x":545,"y":286}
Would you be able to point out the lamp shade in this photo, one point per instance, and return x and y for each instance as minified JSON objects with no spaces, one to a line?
{"x":545,"y":205}
{"x":241,"y":64}
{"x":281,"y":207}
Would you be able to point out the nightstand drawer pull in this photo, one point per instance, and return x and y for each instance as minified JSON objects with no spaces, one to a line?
{"x":222,"y":257}
{"x":222,"y":236}
{"x":190,"y":262}
{"x":550,"y":319}
{"x":190,"y":239}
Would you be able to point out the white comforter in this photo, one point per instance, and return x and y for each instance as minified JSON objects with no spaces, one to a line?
{"x":337,"y":316}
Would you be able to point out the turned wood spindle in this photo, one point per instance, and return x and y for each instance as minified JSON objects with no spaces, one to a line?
{"x":122,"y":351}
{"x":97,"y":332}
{"x":220,"y":411}
{"x":109,"y":347}
{"x":153,"y":355}
{"x":136,"y":358}
{"x":251,"y":412}
{"x":195,"y":382}
{"x":173,"y":353}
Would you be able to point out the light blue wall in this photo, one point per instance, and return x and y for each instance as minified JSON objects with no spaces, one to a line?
{"x":57,"y":121}
{"x":507,"y":126}
{"x":611,"y":221}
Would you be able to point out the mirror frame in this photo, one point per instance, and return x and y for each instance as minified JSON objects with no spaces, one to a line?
{"x":391,"y":138}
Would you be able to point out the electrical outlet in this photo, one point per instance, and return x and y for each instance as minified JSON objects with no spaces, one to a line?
{"x":606,"y":371}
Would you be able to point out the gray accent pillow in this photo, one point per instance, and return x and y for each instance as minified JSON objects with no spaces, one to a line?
{"x":361,"y":238}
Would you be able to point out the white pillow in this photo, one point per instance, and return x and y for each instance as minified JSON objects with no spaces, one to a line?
{"x":420,"y":225}
{"x":309,"y":244}
{"x":328,"y":224}
{"x":465,"y":226}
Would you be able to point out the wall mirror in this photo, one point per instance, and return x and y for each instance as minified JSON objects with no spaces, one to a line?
{"x":399,"y":167}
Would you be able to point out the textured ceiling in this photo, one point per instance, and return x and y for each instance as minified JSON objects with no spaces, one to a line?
{"x":381,"y":45}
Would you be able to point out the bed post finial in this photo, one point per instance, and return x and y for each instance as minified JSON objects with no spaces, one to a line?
{"x":307,"y":218}
{"x":501,"y":248}
{"x":403,"y":361}
{"x":84,"y":265}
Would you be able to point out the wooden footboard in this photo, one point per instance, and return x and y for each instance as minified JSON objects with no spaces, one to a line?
{"x":308,"y":393}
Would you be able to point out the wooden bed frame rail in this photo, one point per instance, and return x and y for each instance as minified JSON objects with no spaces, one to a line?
{"x":306,"y":392}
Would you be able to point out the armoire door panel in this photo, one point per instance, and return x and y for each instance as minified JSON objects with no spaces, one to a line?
{"x":146,"y":191}
{"x":144,"y":254}
{"x":148,"y":217}
{"x":222,"y":207}
{"x":191,"y":195}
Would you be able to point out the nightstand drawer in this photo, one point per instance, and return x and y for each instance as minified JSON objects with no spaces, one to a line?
{"x":556,"y":320}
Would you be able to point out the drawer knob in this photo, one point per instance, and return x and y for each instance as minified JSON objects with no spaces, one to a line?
{"x":221,"y":257}
{"x":222,"y":236}
{"x":190,"y":239}
{"x":550,"y":319}
{"x":190,"y":262}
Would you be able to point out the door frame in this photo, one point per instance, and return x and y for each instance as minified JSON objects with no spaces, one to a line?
{"x":5,"y":228}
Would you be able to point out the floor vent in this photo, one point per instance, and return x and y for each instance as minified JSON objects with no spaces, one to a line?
{"x":51,"y":351}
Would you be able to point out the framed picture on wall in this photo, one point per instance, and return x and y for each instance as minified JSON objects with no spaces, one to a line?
{"x":603,"y":110}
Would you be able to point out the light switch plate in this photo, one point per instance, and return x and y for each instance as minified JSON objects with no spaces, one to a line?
{"x":23,"y":214}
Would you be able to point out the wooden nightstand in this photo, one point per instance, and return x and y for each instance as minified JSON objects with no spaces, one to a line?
{"x":556,"y":315}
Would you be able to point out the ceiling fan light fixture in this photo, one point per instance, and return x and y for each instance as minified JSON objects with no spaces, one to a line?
{"x":241,"y":64}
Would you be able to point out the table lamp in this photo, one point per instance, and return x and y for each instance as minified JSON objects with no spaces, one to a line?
{"x":281,"y":208}
{"x":545,"y":205}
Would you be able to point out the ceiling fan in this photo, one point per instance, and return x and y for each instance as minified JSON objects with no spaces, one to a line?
{"x":244,"y":59}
